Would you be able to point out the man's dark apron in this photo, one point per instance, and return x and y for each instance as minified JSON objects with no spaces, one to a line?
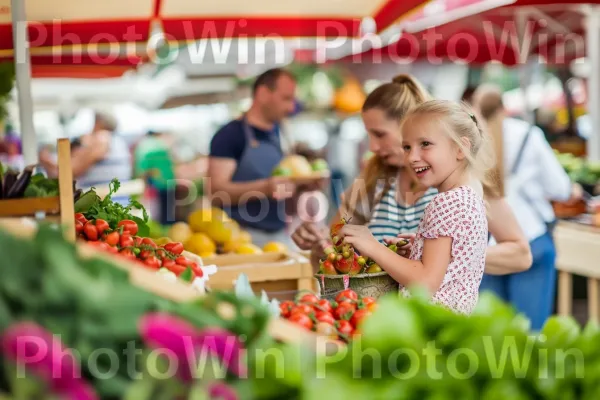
{"x":257,"y":162}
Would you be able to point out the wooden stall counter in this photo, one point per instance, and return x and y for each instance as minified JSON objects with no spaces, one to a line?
{"x":578,"y":253}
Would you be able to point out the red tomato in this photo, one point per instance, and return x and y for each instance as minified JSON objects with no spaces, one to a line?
{"x":127,"y":253}
{"x":286,"y":308}
{"x":129,"y":226}
{"x":309,"y":298}
{"x":113,"y":249}
{"x":345,"y":328}
{"x":177,"y":269}
{"x":79,"y":226}
{"x":302,"y":309}
{"x":359,"y":316}
{"x":370,"y":303}
{"x":344,"y":310}
{"x":302,"y":320}
{"x":126,"y":240}
{"x":112,"y":239}
{"x":153,"y":262}
{"x":90,"y":231}
{"x":81,"y":218}
{"x":325,"y":317}
{"x":347,"y":294}
{"x":181,"y":260}
{"x":324,"y":305}
{"x":167,"y":262}
{"x":102,"y":226}
{"x":175,"y":248}
{"x":149,"y":242}
{"x":161,"y":254}
{"x":137,"y":240}
{"x":146,"y":254}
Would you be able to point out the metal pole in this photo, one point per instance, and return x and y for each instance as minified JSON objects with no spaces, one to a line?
{"x":23,"y":81}
{"x":593,"y":53}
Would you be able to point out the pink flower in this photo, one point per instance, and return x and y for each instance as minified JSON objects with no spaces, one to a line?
{"x":44,"y":355}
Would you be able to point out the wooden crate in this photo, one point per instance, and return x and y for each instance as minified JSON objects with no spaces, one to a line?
{"x":179,"y":291}
{"x":281,"y":275}
{"x":60,"y":208}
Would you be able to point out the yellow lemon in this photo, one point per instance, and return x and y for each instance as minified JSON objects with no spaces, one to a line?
{"x":221,"y":231}
{"x":199,"y":219}
{"x":248,"y":248}
{"x":231,"y":246}
{"x":162,"y":241}
{"x":179,"y":232}
{"x":207,"y":254}
{"x":275,"y":247}
{"x":244,"y":237}
{"x":200,"y":243}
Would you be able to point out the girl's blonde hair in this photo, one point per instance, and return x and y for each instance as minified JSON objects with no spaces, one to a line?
{"x":460,"y":122}
{"x":395,"y":99}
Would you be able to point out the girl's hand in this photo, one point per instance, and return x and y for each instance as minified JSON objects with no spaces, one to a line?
{"x":308,"y":235}
{"x":404,"y":250}
{"x":361,"y":238}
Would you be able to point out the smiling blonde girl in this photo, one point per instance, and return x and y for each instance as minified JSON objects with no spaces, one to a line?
{"x":447,"y":149}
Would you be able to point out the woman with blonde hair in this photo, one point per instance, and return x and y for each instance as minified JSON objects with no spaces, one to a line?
{"x":387,"y":197}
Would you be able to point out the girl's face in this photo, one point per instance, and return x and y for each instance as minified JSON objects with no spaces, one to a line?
{"x":384,"y":137}
{"x":431,"y":153}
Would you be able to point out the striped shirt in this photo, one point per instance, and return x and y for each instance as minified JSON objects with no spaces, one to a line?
{"x":117,"y":164}
{"x":390,"y":218}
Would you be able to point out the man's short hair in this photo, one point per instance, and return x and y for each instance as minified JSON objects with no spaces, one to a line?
{"x":269,"y":78}
{"x":488,"y":99}
{"x":108,"y":121}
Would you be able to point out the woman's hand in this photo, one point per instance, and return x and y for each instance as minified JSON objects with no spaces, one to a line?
{"x":405,"y":249}
{"x":309,"y":236}
{"x":361,"y":238}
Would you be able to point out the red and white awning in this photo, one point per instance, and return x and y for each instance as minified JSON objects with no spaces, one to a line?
{"x":73,"y":23}
{"x":191,"y":20}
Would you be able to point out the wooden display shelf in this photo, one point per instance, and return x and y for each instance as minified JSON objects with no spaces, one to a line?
{"x":60,"y":208}
{"x":578,"y":252}
{"x":179,"y":291}
{"x":278,"y":274}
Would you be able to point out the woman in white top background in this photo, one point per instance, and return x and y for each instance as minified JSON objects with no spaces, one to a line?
{"x":534,"y":178}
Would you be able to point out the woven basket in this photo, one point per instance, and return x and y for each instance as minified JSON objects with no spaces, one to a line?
{"x":372,"y":285}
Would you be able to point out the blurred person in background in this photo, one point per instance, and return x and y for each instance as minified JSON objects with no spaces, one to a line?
{"x":243,"y":155}
{"x":154,"y":163}
{"x":546,"y":120}
{"x":534,"y":178}
{"x":11,"y":151}
{"x":99,"y":157}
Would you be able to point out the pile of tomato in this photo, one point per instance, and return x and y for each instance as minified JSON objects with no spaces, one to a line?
{"x":339,"y":319}
{"x":123,"y":241}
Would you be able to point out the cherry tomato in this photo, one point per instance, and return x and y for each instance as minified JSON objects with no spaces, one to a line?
{"x":129,"y":226}
{"x":161,"y":254}
{"x":181,"y":260}
{"x":127,"y":253}
{"x":302,"y":320}
{"x":149,"y":242}
{"x":126,"y":240}
{"x":302,"y":308}
{"x":325,"y":317}
{"x":197,"y":270}
{"x":102,"y":226}
{"x":344,"y":310}
{"x":359,"y":316}
{"x":167,"y":262}
{"x":344,"y":327}
{"x":146,"y":254}
{"x":113,"y":249}
{"x":286,"y":308}
{"x":112,"y":239}
{"x":81,"y":218}
{"x":90,"y":231}
{"x":175,"y":248}
{"x":309,"y":298}
{"x":324,"y":305}
{"x":176,"y":269}
{"x":347,"y":294}
{"x":370,"y":303}
{"x":153,"y":262}
{"x":79,"y":226}
{"x":137,"y":240}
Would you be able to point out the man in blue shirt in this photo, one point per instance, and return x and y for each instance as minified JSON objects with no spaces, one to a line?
{"x":243,"y":155}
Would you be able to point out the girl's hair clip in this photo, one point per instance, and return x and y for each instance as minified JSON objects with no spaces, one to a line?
{"x":473,"y":117}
